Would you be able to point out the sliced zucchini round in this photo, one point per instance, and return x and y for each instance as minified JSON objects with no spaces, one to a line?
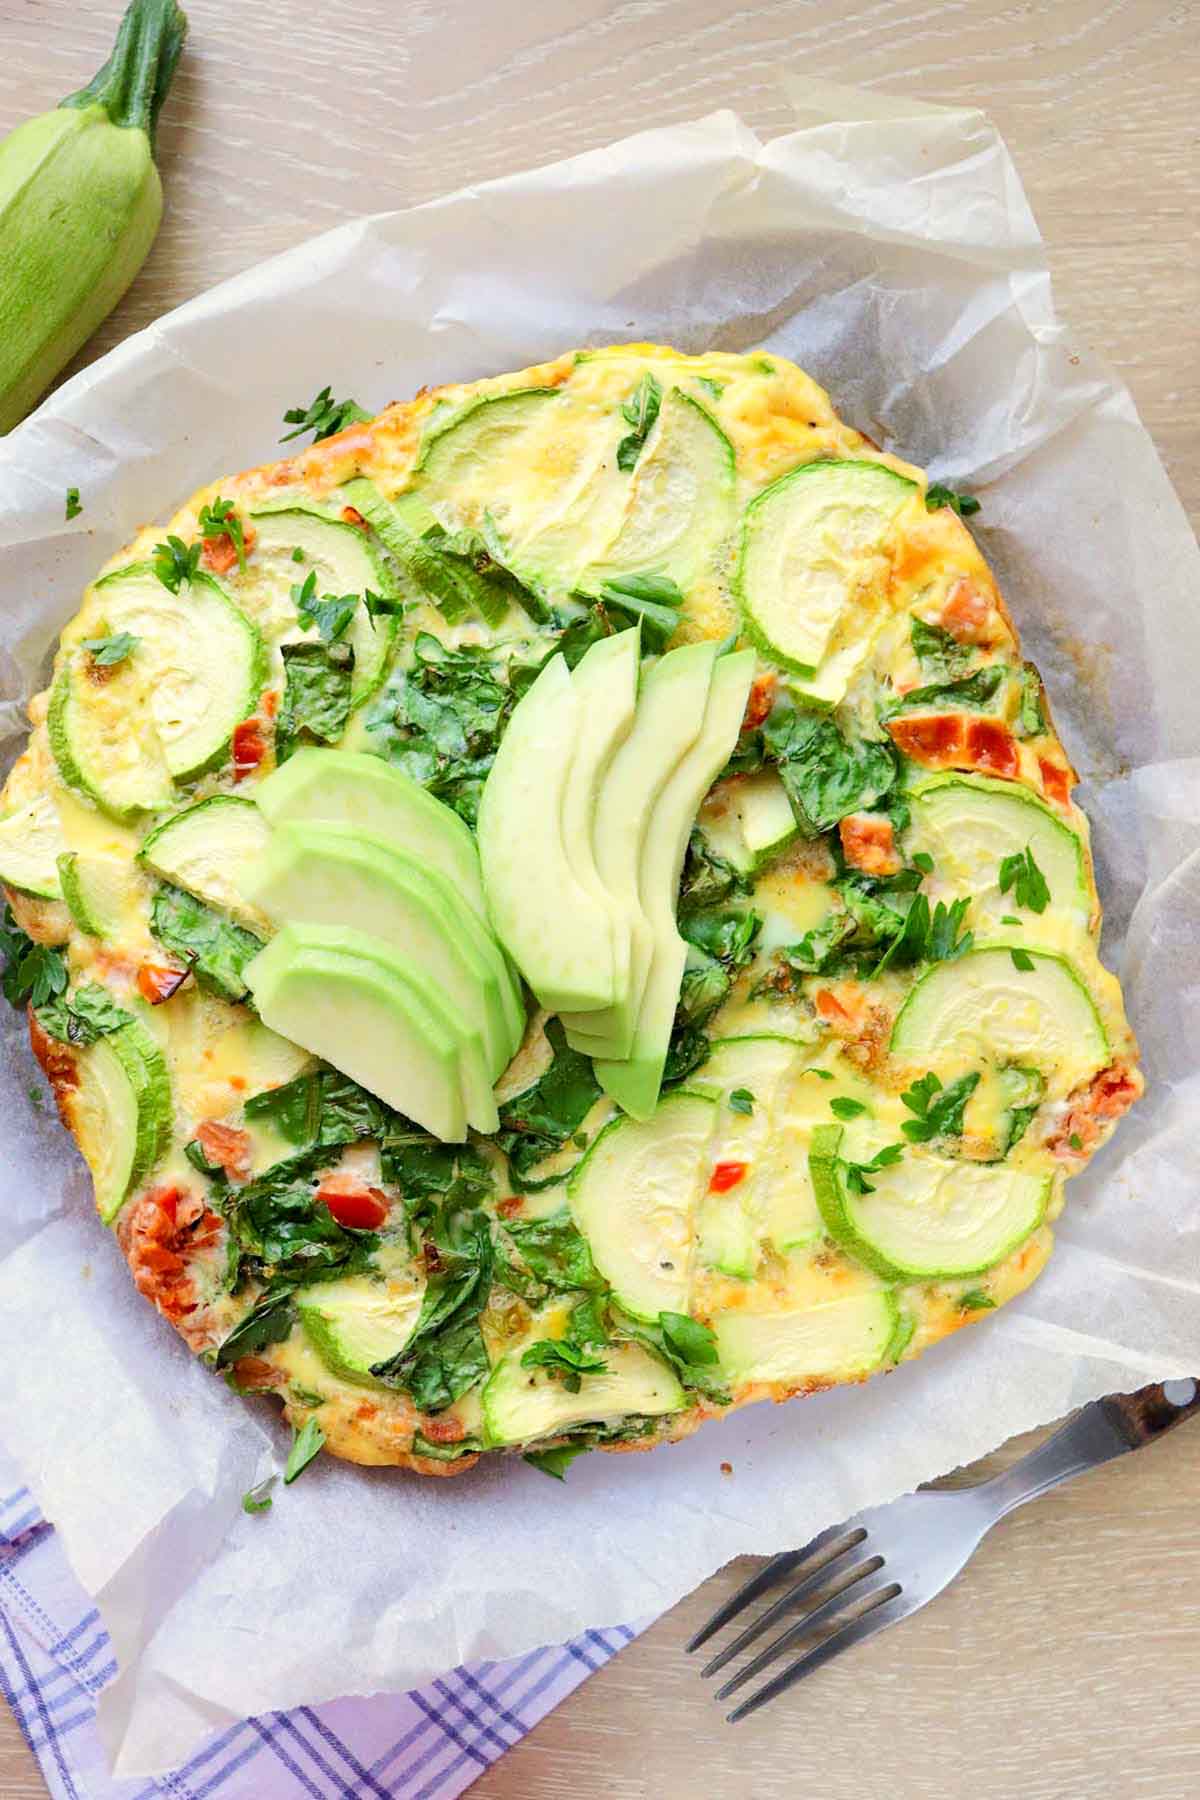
{"x":838,"y":1340}
{"x":969,"y":824}
{"x":808,"y":542}
{"x":98,"y":890}
{"x":103,"y":739}
{"x":635,"y":1195}
{"x":211,"y":849}
{"x":988,"y":1006}
{"x":749,"y":820}
{"x":31,"y":843}
{"x":121,"y":1113}
{"x":522,"y":1405}
{"x":360,"y":1321}
{"x":203,"y":662}
{"x":927,"y":1218}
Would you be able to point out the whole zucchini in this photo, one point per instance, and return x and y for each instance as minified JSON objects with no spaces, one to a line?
{"x":80,"y":202}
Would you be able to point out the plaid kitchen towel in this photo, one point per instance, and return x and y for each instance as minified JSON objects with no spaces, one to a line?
{"x":55,"y":1657}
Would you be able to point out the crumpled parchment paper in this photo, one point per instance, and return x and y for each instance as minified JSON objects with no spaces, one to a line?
{"x":888,"y":247}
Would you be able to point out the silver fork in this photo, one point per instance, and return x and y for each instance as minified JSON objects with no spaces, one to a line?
{"x":889,"y":1561}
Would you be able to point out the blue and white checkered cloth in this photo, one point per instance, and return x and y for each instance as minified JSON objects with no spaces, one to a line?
{"x":55,"y":1657}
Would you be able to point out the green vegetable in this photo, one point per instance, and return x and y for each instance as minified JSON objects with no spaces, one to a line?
{"x":963,"y":504}
{"x":1021,"y":873}
{"x":322,"y":416}
{"x":74,"y":508}
{"x":558,"y":1256}
{"x":654,"y":599}
{"x":322,"y":1108}
{"x":975,"y":692}
{"x":1075,"y":1141}
{"x":33,"y":973}
{"x":446,"y":1354}
{"x":80,"y":202}
{"x":308,"y":1442}
{"x":937,"y":650}
{"x":441,"y":719}
{"x":258,"y":1499}
{"x":316,"y":698}
{"x":640,"y":411}
{"x":741,"y":1100}
{"x":825,"y":775}
{"x":331,"y":614}
{"x":557,"y":1460}
{"x":220,"y":519}
{"x":689,"y":1347}
{"x":1031,"y":717}
{"x":570,"y":1362}
{"x":1021,"y":960}
{"x":216,"y":949}
{"x":91,"y":1012}
{"x":844,"y":1108}
{"x":975,"y":1300}
{"x":538,"y":1121}
{"x":939,"y":1110}
{"x":268,"y":1323}
{"x":106,"y":651}
{"x":175,"y":562}
{"x":856,"y":1173}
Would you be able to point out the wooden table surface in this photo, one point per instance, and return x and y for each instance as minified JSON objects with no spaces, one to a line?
{"x":1066,"y":1661}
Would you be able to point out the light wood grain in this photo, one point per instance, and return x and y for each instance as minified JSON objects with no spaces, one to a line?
{"x":1065,"y":1661}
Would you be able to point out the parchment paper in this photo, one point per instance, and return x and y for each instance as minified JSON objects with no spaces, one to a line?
{"x":888,"y":247}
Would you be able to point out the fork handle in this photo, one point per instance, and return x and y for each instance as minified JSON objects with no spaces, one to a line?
{"x":1099,"y":1432}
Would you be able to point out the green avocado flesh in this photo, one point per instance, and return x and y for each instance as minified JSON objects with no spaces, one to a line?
{"x":333,"y":875}
{"x":347,"y":787}
{"x":341,"y":995}
{"x":522,"y":1405}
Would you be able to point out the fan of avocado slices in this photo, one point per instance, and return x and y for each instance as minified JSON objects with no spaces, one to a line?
{"x":559,"y":911}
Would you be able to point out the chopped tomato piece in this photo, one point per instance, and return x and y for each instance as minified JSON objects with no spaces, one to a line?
{"x":226,"y":1145}
{"x":255,"y":1372}
{"x":220,"y":553}
{"x":269,"y":704}
{"x":156,"y":982}
{"x":160,"y":1234}
{"x":249,"y":747}
{"x":509,"y":1208}
{"x":760,"y":701}
{"x":956,"y":741}
{"x":1108,"y":1095}
{"x":967,"y":614}
{"x":356,"y":1207}
{"x":352,"y":516}
{"x":726,"y":1175}
{"x":828,"y":1005}
{"x":1056,"y":781}
{"x":868,"y":843}
{"x":991,"y":746}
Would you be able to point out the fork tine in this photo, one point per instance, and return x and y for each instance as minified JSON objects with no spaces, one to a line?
{"x":888,"y":1611}
{"x":825,"y":1571}
{"x":758,"y":1583}
{"x":856,"y":1573}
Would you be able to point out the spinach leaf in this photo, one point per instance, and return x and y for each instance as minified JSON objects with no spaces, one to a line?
{"x":939,"y":1110}
{"x":654,"y":599}
{"x":447,"y":1367}
{"x":685,"y":1345}
{"x":446,"y":1354}
{"x":558,"y":1255}
{"x":538,"y":1121}
{"x":937,"y":650}
{"x":322,"y":416}
{"x":280,"y":1223}
{"x":640,"y":411}
{"x":569,"y":1362}
{"x":74,"y":505}
{"x":728,"y":935}
{"x":322,"y":1107}
{"x":441,"y":719}
{"x":975,"y":1300}
{"x":89,"y":1013}
{"x":704,"y":988}
{"x":707,"y":878}
{"x":825,"y":775}
{"x":215,"y":949}
{"x":557,"y":1460}
{"x":688,"y":1340}
{"x":33,"y":973}
{"x":316,"y":697}
{"x":936,"y":495}
{"x":464,"y":1446}
{"x":687,"y":1050}
{"x":974,"y":692}
{"x":269,"y":1322}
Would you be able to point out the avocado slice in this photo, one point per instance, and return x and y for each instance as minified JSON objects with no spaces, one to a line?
{"x":926,"y":1217}
{"x":558,"y":932}
{"x":211,"y":849}
{"x":522,"y":1405}
{"x":121,"y":1113}
{"x":346,"y":998}
{"x":634,"y":1082}
{"x":31,"y":841}
{"x":311,"y":874}
{"x":344,"y":560}
{"x":605,"y":682}
{"x":983,"y":1007}
{"x":634,"y":1196}
{"x":360,"y":1321}
{"x":838,"y":1340}
{"x":351,"y":787}
{"x":968,"y":824}
{"x":670,"y":713}
{"x":808,"y":541}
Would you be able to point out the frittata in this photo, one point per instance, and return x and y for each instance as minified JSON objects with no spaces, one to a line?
{"x":558,"y":911}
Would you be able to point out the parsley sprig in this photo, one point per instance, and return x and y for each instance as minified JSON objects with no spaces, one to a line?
{"x":33,"y":973}
{"x":939,"y":1109}
{"x":107,"y":651}
{"x":1021,"y":873}
{"x":220,"y":519}
{"x":855,"y":1173}
{"x":175,"y":562}
{"x":640,"y":411}
{"x":330,"y":613}
{"x":322,"y":416}
{"x":937,"y":495}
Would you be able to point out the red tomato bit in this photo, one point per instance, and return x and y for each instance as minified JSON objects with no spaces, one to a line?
{"x":156,"y":982}
{"x":356,"y":1207}
{"x":249,"y":747}
{"x":726,"y":1175}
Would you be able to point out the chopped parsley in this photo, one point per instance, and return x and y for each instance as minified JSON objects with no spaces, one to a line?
{"x":1075,"y":1141}
{"x":330,"y":614}
{"x":175,"y":562}
{"x":923,"y":861}
{"x":33,"y":973}
{"x":308,"y":1442}
{"x":939,"y":1109}
{"x":322,"y":416}
{"x":975,"y":1300}
{"x":741,"y":1100}
{"x":855,"y":1174}
{"x":1021,"y":873}
{"x":842,"y":1107}
{"x":937,"y":496}
{"x":1022,"y":960}
{"x":107,"y":651}
{"x":74,"y":506}
{"x":258,"y":1499}
{"x":639,"y":411}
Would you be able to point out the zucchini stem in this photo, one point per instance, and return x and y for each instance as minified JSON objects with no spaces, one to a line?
{"x":134,"y":82}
